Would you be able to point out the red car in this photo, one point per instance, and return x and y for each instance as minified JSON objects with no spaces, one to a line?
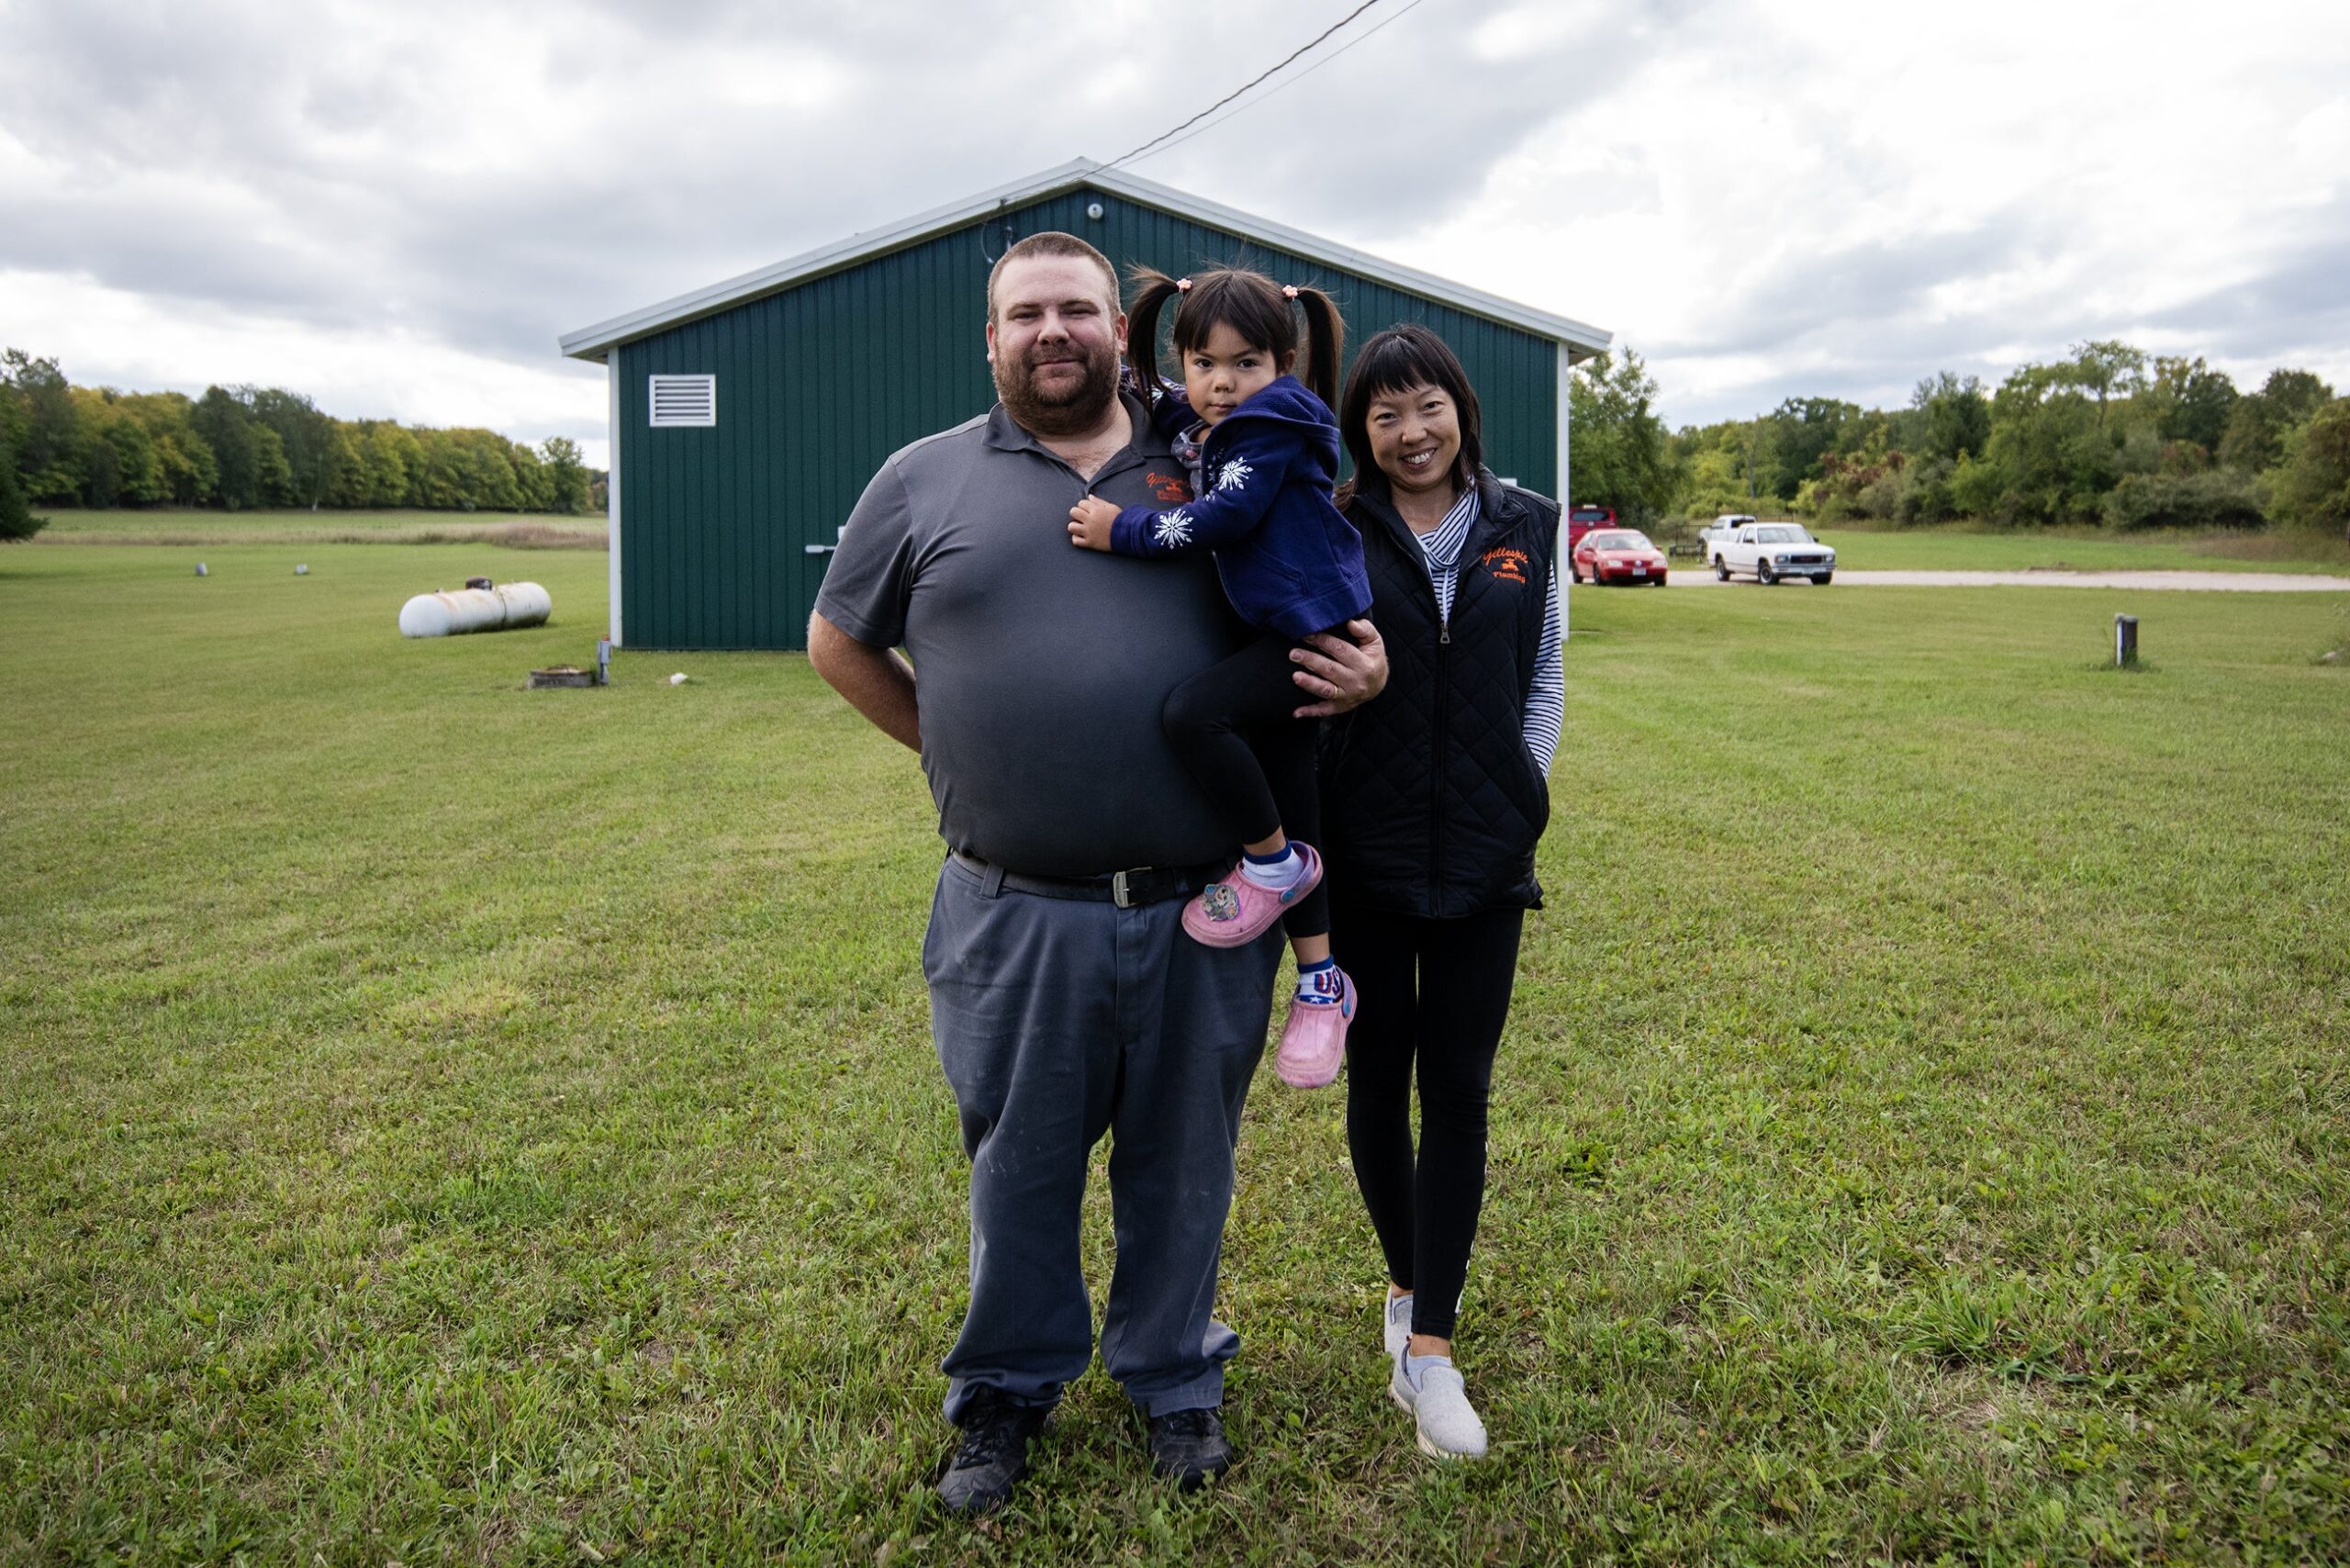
{"x":1616,"y":556}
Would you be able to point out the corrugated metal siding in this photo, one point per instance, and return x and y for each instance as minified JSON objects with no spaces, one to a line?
{"x":817,"y":385}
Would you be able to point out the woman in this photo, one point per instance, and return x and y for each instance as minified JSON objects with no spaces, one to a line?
{"x":1433,"y":798}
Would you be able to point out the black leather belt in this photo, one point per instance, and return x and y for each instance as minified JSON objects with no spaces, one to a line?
{"x":1127,"y":889}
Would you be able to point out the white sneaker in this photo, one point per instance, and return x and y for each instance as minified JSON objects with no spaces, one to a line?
{"x":1448,"y":1427}
{"x":1399,"y":1325}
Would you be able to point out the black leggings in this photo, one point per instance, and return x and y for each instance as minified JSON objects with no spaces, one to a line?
{"x":1262,"y":779}
{"x":1434,"y":994}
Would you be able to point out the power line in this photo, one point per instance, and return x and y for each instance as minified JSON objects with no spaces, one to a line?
{"x":1212,"y":108}
{"x":1284,"y":87}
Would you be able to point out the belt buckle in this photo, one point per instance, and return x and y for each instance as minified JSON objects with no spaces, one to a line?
{"x":1118,"y":893}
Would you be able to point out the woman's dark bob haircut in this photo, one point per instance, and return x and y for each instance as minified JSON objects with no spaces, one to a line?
{"x":1404,"y":359}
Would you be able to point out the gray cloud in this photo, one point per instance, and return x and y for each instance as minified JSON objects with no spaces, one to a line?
{"x":1402,"y":132}
{"x":2300,"y":303}
{"x":470,"y":172}
{"x":1803,"y":295}
{"x":295,"y":189}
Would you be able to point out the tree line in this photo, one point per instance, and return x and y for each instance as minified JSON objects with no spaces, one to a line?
{"x":2108,"y":436}
{"x":239,"y":447}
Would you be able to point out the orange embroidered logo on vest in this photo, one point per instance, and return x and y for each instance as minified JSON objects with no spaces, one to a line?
{"x":1509,"y":565}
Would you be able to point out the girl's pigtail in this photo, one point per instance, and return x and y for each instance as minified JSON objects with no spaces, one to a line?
{"x":1325,"y":341}
{"x":1142,"y":330}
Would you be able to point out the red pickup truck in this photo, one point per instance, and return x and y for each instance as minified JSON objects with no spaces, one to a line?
{"x":1581,"y":520}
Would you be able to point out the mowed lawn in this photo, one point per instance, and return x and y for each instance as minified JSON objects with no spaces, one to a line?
{"x":299,"y":525}
{"x":1956,"y":549}
{"x":444,"y":1122}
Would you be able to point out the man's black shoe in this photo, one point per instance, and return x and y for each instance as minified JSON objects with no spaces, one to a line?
{"x":1189,"y":1445}
{"x":994,"y":1454}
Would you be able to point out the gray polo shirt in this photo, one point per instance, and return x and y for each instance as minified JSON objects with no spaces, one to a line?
{"x":1040,"y":668}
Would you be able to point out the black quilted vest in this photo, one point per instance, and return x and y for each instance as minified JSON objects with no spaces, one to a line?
{"x":1431,"y":804}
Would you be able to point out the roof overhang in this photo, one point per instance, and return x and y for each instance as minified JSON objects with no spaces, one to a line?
{"x":596,"y":342}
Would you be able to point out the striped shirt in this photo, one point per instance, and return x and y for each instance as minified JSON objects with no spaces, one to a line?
{"x":1545,"y":704}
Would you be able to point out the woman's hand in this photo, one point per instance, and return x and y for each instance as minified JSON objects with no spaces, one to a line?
{"x":1343,"y":674}
{"x":1089,"y":522}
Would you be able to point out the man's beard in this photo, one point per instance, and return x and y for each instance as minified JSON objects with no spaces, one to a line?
{"x":1070,"y":411}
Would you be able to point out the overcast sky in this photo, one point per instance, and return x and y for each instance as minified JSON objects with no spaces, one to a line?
{"x":397,"y":207}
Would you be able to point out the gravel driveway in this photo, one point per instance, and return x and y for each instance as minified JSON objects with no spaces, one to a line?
{"x":2203,"y":582}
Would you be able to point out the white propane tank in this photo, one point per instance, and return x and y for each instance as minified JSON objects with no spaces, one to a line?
{"x":475,"y":609}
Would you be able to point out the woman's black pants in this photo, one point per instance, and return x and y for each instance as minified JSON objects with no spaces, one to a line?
{"x":1431,"y":995}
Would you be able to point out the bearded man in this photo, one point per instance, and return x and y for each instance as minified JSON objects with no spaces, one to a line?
{"x":1065,"y":1000}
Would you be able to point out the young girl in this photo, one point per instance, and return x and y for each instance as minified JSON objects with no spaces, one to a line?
{"x":1263,"y":451}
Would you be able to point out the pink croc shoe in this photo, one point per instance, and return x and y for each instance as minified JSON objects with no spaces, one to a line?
{"x":1235,"y":912}
{"x":1313,"y":1041}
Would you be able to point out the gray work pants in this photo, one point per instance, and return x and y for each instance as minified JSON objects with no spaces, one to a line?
{"x":1057,"y":1021}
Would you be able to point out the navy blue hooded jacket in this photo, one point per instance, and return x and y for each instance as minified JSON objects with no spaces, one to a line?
{"x":1290,"y":562}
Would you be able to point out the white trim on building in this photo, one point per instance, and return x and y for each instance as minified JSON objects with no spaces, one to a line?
{"x":596,"y":341}
{"x":612,"y":503}
{"x":1566,"y":487}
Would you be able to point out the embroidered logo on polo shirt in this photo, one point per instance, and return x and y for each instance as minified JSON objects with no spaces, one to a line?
{"x":1168,"y":486}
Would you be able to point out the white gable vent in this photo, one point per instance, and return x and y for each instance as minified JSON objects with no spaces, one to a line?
{"x":684,"y":400}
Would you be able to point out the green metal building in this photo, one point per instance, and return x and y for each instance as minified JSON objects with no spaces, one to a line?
{"x":747,"y":417}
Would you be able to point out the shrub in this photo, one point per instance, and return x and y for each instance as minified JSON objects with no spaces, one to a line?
{"x":2311,"y":487}
{"x":1928,"y":496}
{"x":17,"y":520}
{"x":1976,"y":487}
{"x":2217,"y":498}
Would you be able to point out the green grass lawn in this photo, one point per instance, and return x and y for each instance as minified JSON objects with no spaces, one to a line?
{"x":299,"y":525}
{"x":1957,"y":550}
{"x":444,"y":1122}
{"x":1953,"y":548}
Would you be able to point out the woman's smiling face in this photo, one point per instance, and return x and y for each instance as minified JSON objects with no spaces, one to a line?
{"x":1415,"y":438}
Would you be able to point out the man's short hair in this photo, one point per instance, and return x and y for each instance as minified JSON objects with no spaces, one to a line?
{"x":1052,"y":242}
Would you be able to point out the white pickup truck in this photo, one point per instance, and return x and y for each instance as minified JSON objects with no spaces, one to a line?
{"x":1769,"y":551}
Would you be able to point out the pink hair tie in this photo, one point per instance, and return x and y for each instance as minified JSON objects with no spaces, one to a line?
{"x":1289,"y":291}
{"x":1182,"y":286}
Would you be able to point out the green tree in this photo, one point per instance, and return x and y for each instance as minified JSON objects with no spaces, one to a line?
{"x":340,"y":471}
{"x":1954,"y":416}
{"x":2297,"y":394}
{"x":304,"y":436}
{"x":567,"y":476}
{"x":48,"y":449}
{"x":2190,"y":402}
{"x":2104,"y":368}
{"x":395,"y":464}
{"x":134,"y":449}
{"x":17,"y":518}
{"x":2311,"y":487}
{"x":2259,"y":424}
{"x":1619,"y":454}
{"x":272,"y":474}
{"x":1804,"y":431}
{"x":534,"y":491}
{"x":184,"y":469}
{"x":2049,"y":458}
{"x":220,"y":420}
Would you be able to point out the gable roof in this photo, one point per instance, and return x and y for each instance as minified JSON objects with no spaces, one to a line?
{"x":596,"y":342}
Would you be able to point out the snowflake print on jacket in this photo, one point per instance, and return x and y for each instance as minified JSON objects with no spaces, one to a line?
{"x":1289,"y":562}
